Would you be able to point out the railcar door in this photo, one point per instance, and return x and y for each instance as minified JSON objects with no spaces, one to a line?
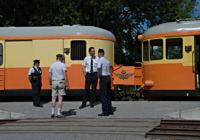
{"x":197,"y":62}
{"x":2,"y":68}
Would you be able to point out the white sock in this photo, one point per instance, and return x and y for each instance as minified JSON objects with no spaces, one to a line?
{"x":59,"y":111}
{"x":53,"y":110}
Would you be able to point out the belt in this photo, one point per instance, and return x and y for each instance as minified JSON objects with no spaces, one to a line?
{"x":59,"y":80}
{"x":105,"y":75}
{"x":92,"y":73}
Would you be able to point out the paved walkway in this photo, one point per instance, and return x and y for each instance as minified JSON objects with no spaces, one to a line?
{"x":143,"y":110}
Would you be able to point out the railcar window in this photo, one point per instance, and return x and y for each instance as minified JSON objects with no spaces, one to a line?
{"x":78,"y":49}
{"x":174,"y":48}
{"x":156,"y":49}
{"x":146,"y":51}
{"x":1,"y":54}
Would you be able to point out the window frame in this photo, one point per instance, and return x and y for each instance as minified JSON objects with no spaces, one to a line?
{"x":151,"y":49}
{"x":145,"y":55}
{"x":1,"y":54}
{"x":85,"y":50}
{"x":181,"y":39}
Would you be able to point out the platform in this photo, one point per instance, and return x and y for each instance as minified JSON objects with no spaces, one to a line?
{"x":134,"y":118}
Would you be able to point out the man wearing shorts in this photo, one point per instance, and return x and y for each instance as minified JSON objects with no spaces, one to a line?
{"x":58,"y":81}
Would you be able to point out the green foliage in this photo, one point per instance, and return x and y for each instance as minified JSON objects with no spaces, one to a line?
{"x":144,"y":14}
{"x":156,"y":11}
{"x":125,"y":18}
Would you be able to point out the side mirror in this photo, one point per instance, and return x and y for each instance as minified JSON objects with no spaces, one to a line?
{"x":188,"y":48}
{"x":66,"y":51}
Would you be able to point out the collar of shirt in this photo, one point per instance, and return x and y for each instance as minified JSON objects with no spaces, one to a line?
{"x":58,"y":61}
{"x":36,"y":67}
{"x":101,"y":57}
{"x":94,"y":57}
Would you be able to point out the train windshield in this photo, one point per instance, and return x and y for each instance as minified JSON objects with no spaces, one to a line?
{"x":156,"y":48}
{"x":174,"y":48}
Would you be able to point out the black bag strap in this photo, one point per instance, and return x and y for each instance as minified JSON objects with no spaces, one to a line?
{"x":35,"y":70}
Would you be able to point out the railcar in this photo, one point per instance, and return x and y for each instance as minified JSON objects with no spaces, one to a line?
{"x":171,"y":59}
{"x":19,"y":46}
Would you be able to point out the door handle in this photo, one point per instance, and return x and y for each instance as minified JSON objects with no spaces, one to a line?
{"x":193,"y":63}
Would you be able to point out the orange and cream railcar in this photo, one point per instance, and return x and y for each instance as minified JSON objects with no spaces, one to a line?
{"x":171,"y":58}
{"x":20,"y":45}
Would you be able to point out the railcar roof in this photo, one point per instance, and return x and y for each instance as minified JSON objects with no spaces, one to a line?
{"x":55,"y":31}
{"x":181,"y":26}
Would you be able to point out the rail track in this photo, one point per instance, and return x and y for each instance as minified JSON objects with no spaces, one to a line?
{"x":167,"y":129}
{"x":7,"y":121}
{"x":176,"y":130}
{"x":79,"y":125}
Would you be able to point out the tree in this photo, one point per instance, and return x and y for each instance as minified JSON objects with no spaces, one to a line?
{"x":144,"y":14}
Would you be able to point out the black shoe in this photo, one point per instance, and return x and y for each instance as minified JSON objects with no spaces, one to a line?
{"x":38,"y":105}
{"x":91,"y":106}
{"x":103,"y":114}
{"x":52,"y":115}
{"x":82,"y":106}
{"x":111,"y":113}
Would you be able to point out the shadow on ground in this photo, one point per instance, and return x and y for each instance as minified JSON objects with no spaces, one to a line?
{"x":70,"y":112}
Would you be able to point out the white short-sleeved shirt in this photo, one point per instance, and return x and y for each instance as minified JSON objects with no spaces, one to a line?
{"x":104,"y":64}
{"x":87,"y":64}
{"x":57,"y":71}
{"x":31,"y":70}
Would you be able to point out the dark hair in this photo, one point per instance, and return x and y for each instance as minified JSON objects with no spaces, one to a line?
{"x":36,"y":61}
{"x":91,"y":49}
{"x":101,"y":51}
{"x":59,"y":56}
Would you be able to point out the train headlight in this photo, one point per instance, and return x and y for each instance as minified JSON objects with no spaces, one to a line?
{"x":140,"y":37}
{"x":149,"y":83}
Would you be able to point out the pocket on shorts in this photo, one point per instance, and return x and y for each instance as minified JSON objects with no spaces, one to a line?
{"x":54,"y":84}
{"x":61,"y":84}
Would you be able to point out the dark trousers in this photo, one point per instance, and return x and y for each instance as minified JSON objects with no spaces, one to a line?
{"x":90,"y":80}
{"x":105,"y":94}
{"x":36,"y":88}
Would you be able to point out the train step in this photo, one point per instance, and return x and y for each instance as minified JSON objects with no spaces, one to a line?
{"x":175,"y":129}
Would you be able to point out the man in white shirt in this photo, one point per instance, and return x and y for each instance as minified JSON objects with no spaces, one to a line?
{"x":58,"y":81}
{"x":90,"y":71}
{"x":105,"y":84}
{"x":34,"y":75}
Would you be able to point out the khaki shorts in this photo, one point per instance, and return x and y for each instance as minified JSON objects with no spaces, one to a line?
{"x":58,"y":88}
